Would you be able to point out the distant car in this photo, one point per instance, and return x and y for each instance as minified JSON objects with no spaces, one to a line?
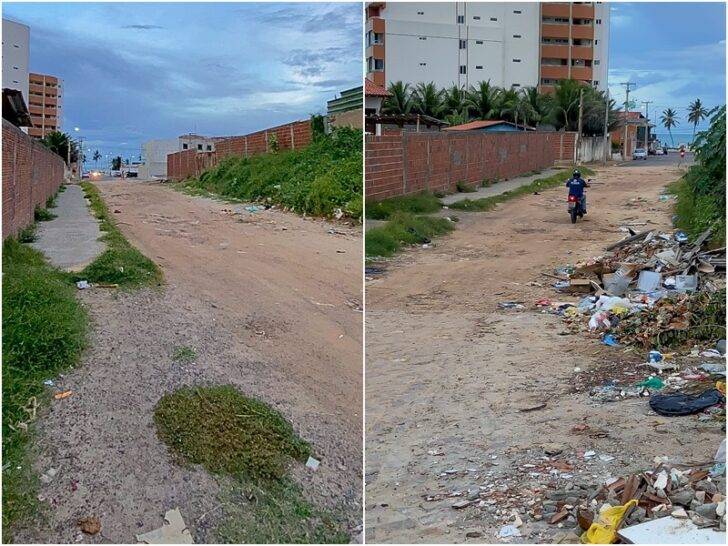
{"x":84,"y":175}
{"x":132,"y":174}
{"x":640,"y":153}
{"x":115,"y":173}
{"x":96,"y":174}
{"x":659,"y":151}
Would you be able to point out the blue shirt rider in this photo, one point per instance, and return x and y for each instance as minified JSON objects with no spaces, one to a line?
{"x":576,"y":185}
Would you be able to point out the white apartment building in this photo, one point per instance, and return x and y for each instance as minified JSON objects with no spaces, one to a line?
{"x":517,"y":44}
{"x":16,"y":57}
{"x":155,"y":157}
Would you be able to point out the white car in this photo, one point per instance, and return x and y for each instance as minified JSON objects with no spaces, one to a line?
{"x":658,"y":151}
{"x":640,"y":153}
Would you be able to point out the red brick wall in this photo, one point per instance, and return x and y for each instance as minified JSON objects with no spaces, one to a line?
{"x":31,"y":174}
{"x":564,"y":146}
{"x":187,"y":163}
{"x":415,"y":162}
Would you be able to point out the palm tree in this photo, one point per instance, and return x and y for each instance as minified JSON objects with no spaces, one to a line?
{"x":540,"y":104}
{"x":668,"y":120}
{"x":483,"y":100}
{"x":57,"y":143}
{"x":564,"y":112}
{"x":427,"y":99}
{"x":455,"y":103}
{"x":96,"y":158}
{"x":400,"y":100}
{"x":696,"y":113}
{"x":515,"y":105}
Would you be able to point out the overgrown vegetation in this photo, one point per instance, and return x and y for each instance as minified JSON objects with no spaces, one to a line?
{"x":489,"y":203}
{"x":184,"y":354}
{"x":44,"y":333}
{"x":28,"y":234}
{"x":43,"y":215}
{"x":120,"y":263}
{"x":464,"y":187}
{"x":319,"y":179}
{"x":403,"y":229}
{"x":421,"y":203}
{"x":701,"y":193}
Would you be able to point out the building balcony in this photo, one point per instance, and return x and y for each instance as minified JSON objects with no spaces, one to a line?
{"x":376,"y":51}
{"x":36,"y":88}
{"x":554,"y":31}
{"x":582,"y":11}
{"x":554,"y":51}
{"x":377,"y":77}
{"x":375,"y":24}
{"x":554,"y":72}
{"x":582,"y":31}
{"x":555,"y":9}
{"x":582,"y":52}
{"x":581,"y":73}
{"x":35,"y":110}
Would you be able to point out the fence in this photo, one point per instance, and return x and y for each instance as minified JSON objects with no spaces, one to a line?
{"x":411,"y":163}
{"x":31,"y":174}
{"x":187,"y":163}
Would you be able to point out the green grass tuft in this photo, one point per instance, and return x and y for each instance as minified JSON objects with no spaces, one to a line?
{"x":43,"y":215}
{"x":317,"y":180}
{"x":403,"y":229}
{"x":415,"y":204}
{"x":489,"y":203}
{"x":28,"y":234}
{"x":51,"y":201}
{"x":184,"y":354}
{"x":695,"y":213}
{"x":228,"y":433}
{"x":120,"y":263}
{"x":44,"y":333}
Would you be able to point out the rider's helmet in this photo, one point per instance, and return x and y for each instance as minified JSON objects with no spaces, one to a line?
{"x":576,"y":174}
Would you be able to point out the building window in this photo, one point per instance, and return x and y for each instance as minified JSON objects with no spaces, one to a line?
{"x":420,"y":13}
{"x":199,"y":147}
{"x":209,"y":147}
{"x":463,"y":44}
{"x":478,"y":67}
{"x":479,"y":42}
{"x":596,"y":62}
{"x":516,"y":35}
{"x":596,"y":42}
{"x":476,"y":17}
{"x":494,"y":18}
{"x":516,"y":60}
{"x":516,"y":85}
{"x":184,"y":146}
{"x":596,"y":83}
{"x":423,"y":37}
{"x":599,"y":21}
{"x":516,"y":11}
{"x":463,"y":69}
{"x":423,"y":64}
{"x":461,"y":19}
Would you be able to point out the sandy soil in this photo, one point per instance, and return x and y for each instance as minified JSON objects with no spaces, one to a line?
{"x":448,"y":372}
{"x":269,"y":301}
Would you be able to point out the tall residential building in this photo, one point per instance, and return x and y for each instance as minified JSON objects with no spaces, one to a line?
{"x":16,"y":57}
{"x":516,"y":44}
{"x":44,"y":104}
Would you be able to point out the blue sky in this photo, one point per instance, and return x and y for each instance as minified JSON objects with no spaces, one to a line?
{"x":674,"y":52}
{"x":134,"y":72}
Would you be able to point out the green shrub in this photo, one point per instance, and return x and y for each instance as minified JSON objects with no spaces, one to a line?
{"x":403,"y":229}
{"x":415,"y":204}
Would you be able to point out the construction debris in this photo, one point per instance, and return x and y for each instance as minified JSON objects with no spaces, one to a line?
{"x":174,"y":531}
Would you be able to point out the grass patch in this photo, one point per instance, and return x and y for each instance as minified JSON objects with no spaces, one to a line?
{"x":489,"y":203}
{"x":415,"y":204}
{"x":318,"y":179}
{"x":403,"y":229}
{"x":227,"y":432}
{"x":120,"y":263}
{"x":43,"y":215}
{"x":184,"y":354}
{"x":695,"y":212}
{"x":276,"y":514}
{"x":51,"y":201}
{"x":44,"y":333}
{"x":28,"y":234}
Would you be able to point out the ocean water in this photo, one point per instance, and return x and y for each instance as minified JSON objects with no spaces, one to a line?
{"x":680,"y":137}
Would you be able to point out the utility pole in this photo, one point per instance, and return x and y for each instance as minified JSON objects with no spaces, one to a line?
{"x":627,"y":85}
{"x":607,"y":140}
{"x":647,"y":118}
{"x":578,"y":134}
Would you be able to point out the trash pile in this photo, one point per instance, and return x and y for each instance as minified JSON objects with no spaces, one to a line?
{"x":690,"y":498}
{"x":650,"y":289}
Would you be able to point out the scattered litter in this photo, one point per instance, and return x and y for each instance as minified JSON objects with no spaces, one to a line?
{"x":511,"y":305}
{"x":174,"y":531}
{"x":82,"y":285}
{"x":62,"y":395}
{"x":670,"y":530}
{"x":254,"y":208}
{"x":48,"y":476}
{"x":509,"y":531}
{"x":654,"y":356}
{"x":684,"y":404}
{"x":312,"y":463}
{"x":610,"y":340}
{"x":90,"y":525}
{"x":48,"y":383}
{"x":648,"y":281}
{"x":609,"y":520}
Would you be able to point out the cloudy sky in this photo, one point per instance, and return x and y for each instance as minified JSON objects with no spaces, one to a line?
{"x":133,"y":72}
{"x":674,"y":52}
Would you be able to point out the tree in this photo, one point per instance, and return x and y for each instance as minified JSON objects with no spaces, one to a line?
{"x":483,"y":100}
{"x":668,"y":121}
{"x":400,"y":101}
{"x":116,"y":163}
{"x":540,"y":104}
{"x":427,"y":99}
{"x":455,"y":103}
{"x":96,"y":158}
{"x":564,"y":113}
{"x":696,"y":113}
{"x":515,"y":106}
{"x":58,"y":143}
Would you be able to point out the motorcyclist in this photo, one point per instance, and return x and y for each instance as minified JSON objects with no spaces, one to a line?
{"x":576,"y":185}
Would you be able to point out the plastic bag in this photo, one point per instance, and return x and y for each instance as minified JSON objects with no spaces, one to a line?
{"x":604,"y":530}
{"x":599,"y":320}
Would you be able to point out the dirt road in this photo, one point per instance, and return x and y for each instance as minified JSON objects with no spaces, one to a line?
{"x":448,"y":373}
{"x":269,"y":301}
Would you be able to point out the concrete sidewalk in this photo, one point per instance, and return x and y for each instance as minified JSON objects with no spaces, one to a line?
{"x":70,"y":241}
{"x":498,"y":187}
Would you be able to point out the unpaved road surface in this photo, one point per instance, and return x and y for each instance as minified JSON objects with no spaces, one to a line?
{"x":448,"y":373}
{"x":270,"y":303}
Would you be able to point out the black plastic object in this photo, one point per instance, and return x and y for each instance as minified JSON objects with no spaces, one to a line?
{"x":684,"y":404}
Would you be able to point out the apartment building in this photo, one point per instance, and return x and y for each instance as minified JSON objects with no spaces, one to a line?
{"x":512,"y":44}
{"x":44,"y":104}
{"x":16,"y":56}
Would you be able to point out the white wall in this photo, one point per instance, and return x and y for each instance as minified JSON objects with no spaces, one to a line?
{"x":601,"y":49}
{"x":422,"y":43}
{"x":155,"y":157}
{"x":16,"y":56}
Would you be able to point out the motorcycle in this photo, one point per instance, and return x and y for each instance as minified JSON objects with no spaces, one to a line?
{"x":576,"y":208}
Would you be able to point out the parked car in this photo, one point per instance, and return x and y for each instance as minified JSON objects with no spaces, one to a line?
{"x":639,"y":153}
{"x":659,"y":151}
{"x":84,"y":175}
{"x":115,"y":173}
{"x":131,"y":174}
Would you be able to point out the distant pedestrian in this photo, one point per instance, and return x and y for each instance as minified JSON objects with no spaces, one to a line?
{"x":682,"y":156}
